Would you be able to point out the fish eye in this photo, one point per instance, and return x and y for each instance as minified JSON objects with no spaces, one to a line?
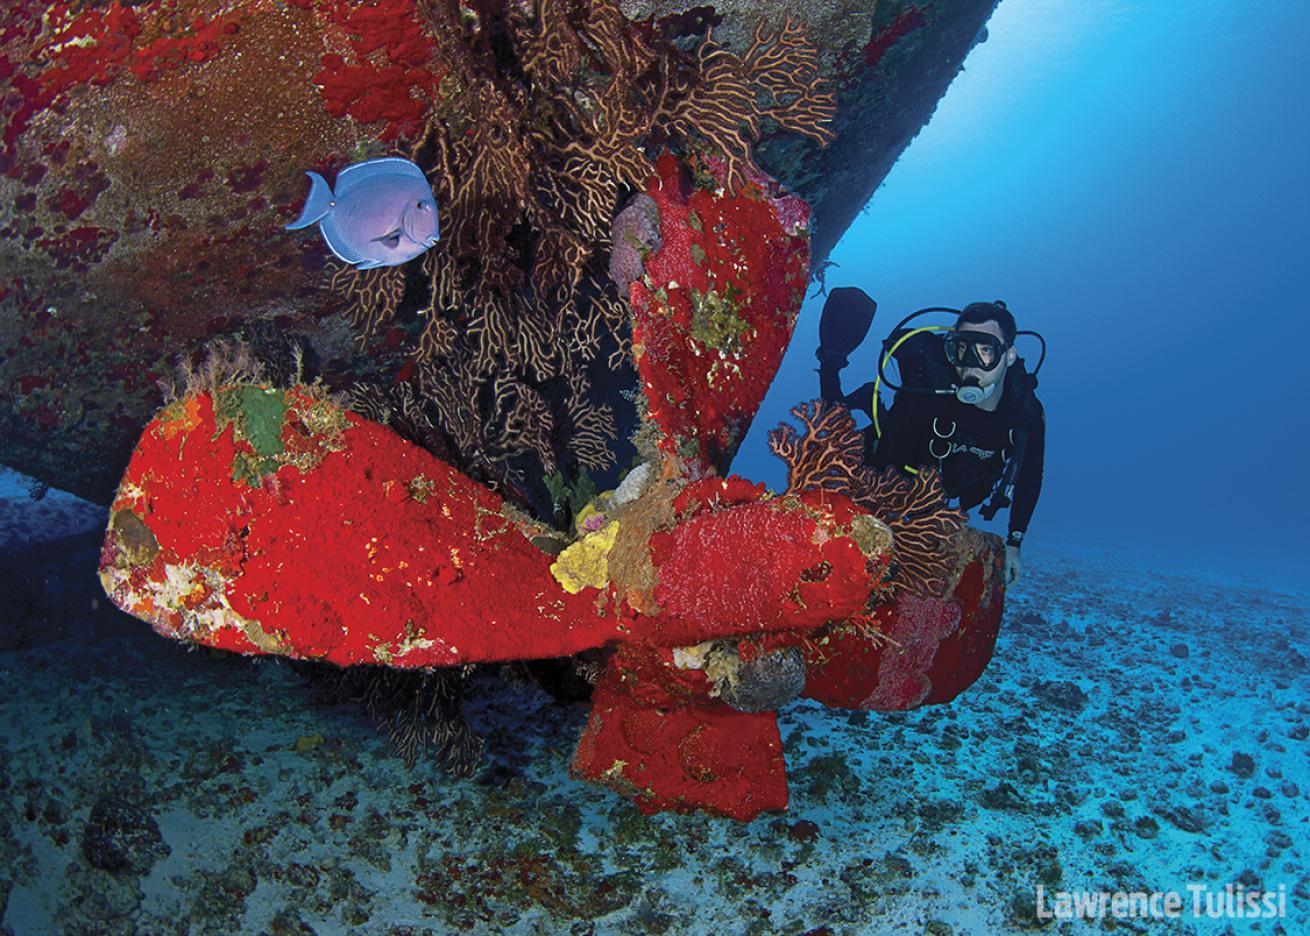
{"x":420,"y":206}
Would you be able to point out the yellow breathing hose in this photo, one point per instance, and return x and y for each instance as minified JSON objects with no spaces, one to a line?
{"x":877,"y":383}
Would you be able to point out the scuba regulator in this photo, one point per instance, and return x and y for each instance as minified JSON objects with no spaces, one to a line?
{"x":929,"y":360}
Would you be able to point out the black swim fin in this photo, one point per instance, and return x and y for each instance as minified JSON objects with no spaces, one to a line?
{"x":847,"y":315}
{"x":844,"y":323}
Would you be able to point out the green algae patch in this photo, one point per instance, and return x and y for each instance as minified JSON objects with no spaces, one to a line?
{"x":296,"y":426}
{"x":421,"y":488}
{"x":494,"y":881}
{"x":571,"y":494}
{"x":716,"y":320}
{"x":561,"y":824}
{"x":256,"y":415}
{"x":826,"y":774}
{"x":647,"y":841}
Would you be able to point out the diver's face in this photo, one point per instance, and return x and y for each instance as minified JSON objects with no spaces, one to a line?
{"x":985,"y":378}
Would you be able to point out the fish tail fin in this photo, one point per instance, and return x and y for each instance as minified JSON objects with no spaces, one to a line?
{"x":317,"y":204}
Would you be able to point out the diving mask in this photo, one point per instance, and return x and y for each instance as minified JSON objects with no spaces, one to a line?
{"x":974,"y":349}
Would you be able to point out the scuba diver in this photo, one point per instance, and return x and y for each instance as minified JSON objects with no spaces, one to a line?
{"x":965,"y":405}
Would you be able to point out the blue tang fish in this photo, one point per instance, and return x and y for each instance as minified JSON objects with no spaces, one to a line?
{"x":382,"y":213}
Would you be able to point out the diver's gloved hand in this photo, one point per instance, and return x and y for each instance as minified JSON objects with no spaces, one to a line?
{"x":1012,"y":564}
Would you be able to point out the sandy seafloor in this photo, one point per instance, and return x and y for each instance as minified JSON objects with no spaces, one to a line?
{"x":1096,"y":752}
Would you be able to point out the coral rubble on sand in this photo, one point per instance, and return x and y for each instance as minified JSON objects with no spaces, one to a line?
{"x":278,"y":814}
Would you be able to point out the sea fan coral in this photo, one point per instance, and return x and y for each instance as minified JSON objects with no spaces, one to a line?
{"x":421,"y":711}
{"x":372,"y":296}
{"x":547,"y":138}
{"x":539,"y":126}
{"x":721,"y":102}
{"x":924,"y":526}
{"x":828,"y":455}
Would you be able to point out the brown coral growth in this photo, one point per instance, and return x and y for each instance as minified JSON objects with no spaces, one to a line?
{"x":372,"y":296}
{"x":721,"y":103}
{"x":828,"y":455}
{"x":421,"y":711}
{"x":542,"y":124}
{"x":547,"y":143}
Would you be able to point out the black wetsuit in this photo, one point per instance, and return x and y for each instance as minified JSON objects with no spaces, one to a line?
{"x":970,"y":445}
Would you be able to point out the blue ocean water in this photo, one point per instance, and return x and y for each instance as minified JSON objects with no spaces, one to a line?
{"x":1131,"y":179}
